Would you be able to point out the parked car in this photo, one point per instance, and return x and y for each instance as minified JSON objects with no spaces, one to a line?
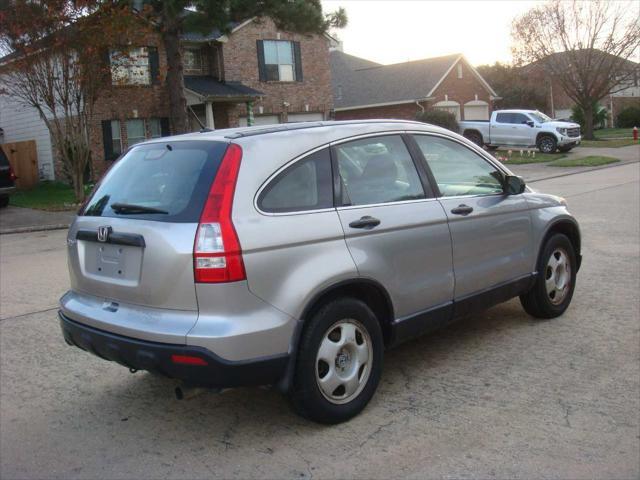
{"x":295,"y":255}
{"x":7,"y":179}
{"x":522,"y":128}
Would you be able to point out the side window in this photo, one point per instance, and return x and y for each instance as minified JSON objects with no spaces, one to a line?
{"x":458,"y":170}
{"x":306,"y":185}
{"x":377,"y":170}
{"x":503,"y":118}
{"x":519,"y":118}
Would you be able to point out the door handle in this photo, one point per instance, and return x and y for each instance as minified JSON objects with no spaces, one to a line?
{"x":365,"y":222}
{"x":462,"y":210}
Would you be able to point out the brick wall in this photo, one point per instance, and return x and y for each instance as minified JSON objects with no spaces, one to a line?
{"x":240,"y":63}
{"x":397,"y":112}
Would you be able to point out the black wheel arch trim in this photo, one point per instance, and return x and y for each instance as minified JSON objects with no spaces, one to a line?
{"x":553,"y":227}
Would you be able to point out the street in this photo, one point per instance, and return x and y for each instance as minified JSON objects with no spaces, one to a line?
{"x":499,"y":395}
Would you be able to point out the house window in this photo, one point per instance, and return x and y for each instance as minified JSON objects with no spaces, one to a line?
{"x":130,"y":67}
{"x":459,"y":70}
{"x":192,"y":60}
{"x":135,"y":131}
{"x":279,"y":61}
{"x":155,"y":129}
{"x":116,"y":138}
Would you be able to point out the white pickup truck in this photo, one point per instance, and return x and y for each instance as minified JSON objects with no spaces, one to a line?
{"x":524,"y":129}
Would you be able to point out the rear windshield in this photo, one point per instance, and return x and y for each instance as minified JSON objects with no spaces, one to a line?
{"x":165,"y":182}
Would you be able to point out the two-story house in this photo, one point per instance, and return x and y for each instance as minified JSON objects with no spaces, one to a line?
{"x":277,"y":76}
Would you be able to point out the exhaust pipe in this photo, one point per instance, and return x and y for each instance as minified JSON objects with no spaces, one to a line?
{"x":185,"y":392}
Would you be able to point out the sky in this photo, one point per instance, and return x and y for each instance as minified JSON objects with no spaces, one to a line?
{"x":392,"y":31}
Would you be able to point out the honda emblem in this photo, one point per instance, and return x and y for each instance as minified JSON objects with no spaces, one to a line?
{"x":103,"y":233}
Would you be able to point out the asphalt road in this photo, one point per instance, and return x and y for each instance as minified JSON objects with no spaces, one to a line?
{"x":499,"y":395}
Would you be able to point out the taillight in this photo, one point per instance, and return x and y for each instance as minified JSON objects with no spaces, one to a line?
{"x":12,"y":175}
{"x":217,"y":256}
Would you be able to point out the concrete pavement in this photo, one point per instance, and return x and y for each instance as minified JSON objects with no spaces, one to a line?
{"x":499,"y":395}
{"x":16,"y":219}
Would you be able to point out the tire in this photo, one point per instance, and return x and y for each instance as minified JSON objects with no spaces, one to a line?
{"x":341,"y":320}
{"x":547,"y":144}
{"x":4,"y":201}
{"x":564,"y":149}
{"x":550,"y":296}
{"x":475,"y":137}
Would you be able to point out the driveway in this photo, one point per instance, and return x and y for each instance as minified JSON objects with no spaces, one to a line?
{"x":13,"y":219}
{"x":499,"y":395}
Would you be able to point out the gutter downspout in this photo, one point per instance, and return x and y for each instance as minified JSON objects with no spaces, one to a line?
{"x":420,"y":106}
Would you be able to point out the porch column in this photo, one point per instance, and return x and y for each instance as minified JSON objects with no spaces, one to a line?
{"x":249,"y":114}
{"x":208,"y":110}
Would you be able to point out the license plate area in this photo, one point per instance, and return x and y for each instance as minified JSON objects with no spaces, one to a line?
{"x":119,"y":264}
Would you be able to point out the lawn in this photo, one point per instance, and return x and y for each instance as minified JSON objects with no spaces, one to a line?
{"x":614,"y":143}
{"x":516,"y":159}
{"x":52,"y":196}
{"x":614,"y":133}
{"x":592,"y":161}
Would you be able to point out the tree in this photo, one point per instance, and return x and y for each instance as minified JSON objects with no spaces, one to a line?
{"x":514,"y":87}
{"x":52,"y":68}
{"x":441,"y":118}
{"x":584,"y":46}
{"x":171,"y":17}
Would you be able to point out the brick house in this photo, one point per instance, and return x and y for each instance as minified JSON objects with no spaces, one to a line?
{"x":281,"y":76}
{"x":365,"y":89}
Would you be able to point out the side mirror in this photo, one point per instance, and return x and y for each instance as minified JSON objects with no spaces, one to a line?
{"x":530,"y":123}
{"x":514,"y":185}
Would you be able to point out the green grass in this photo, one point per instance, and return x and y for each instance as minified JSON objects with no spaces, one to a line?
{"x":52,"y":196}
{"x":618,"y":142}
{"x":592,"y":161}
{"x":516,"y":159}
{"x":614,"y":133}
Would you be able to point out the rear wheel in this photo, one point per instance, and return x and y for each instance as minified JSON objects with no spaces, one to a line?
{"x":339,"y":362}
{"x":556,"y":280}
{"x":475,"y":137}
{"x":547,"y":144}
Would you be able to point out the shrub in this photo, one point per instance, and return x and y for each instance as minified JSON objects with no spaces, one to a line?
{"x":599,"y":115}
{"x":628,"y":118}
{"x":441,"y":118}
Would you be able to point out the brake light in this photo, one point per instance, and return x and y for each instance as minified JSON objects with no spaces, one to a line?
{"x":217,"y":256}
{"x":12,"y":175}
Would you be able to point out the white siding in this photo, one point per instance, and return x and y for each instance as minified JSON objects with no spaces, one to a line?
{"x":23,"y":123}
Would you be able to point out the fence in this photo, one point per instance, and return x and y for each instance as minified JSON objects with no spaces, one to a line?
{"x":23,"y":158}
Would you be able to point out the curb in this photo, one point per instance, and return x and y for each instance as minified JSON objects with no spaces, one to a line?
{"x":621,"y":164}
{"x":34,"y":228}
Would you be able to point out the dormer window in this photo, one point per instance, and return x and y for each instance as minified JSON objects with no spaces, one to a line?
{"x":192,"y":60}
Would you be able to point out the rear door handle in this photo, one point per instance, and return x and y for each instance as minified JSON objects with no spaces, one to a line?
{"x":462,"y":210}
{"x":365,"y":222}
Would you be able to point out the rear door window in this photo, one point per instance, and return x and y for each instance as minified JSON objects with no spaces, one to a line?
{"x":166,"y":182}
{"x":503,"y":118}
{"x":377,"y":170}
{"x":306,"y":185}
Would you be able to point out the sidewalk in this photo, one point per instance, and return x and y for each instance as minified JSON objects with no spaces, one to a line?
{"x":16,"y":220}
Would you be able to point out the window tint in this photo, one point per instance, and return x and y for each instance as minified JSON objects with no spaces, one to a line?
{"x":503,"y":118}
{"x":458,"y":170}
{"x":519,"y":118}
{"x":306,"y":185}
{"x":377,"y":170}
{"x":174,"y":177}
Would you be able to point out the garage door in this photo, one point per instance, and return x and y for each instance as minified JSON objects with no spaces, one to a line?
{"x":476,"y":110}
{"x":305,"y":117}
{"x":260,"y":120}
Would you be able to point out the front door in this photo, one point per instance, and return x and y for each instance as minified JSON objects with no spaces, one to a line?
{"x":491,"y":231}
{"x":396,"y":232}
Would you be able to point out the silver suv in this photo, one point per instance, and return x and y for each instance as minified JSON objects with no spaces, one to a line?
{"x":295,"y":255}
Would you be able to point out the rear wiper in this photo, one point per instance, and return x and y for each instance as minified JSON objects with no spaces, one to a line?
{"x":126,"y":208}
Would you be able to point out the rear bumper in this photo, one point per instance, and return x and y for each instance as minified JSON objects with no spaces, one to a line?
{"x":5,"y":191}
{"x":157,"y":358}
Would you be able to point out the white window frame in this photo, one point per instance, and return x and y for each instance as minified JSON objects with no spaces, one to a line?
{"x":281,"y":64}
{"x":130,"y":67}
{"x":116,"y":135}
{"x":193,"y":64}
{"x":144,"y":131}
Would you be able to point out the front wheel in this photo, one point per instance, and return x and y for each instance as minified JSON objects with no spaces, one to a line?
{"x":339,"y":362}
{"x":547,"y":144}
{"x":556,"y":279}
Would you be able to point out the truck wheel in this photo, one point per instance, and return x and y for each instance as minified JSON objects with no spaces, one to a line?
{"x":547,"y":144}
{"x":551,"y":294}
{"x":339,"y":362}
{"x":475,"y":137}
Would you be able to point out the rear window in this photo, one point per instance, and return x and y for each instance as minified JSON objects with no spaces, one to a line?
{"x":4,"y":161}
{"x":165,"y":182}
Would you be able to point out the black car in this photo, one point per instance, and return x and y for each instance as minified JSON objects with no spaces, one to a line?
{"x":7,"y":179}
